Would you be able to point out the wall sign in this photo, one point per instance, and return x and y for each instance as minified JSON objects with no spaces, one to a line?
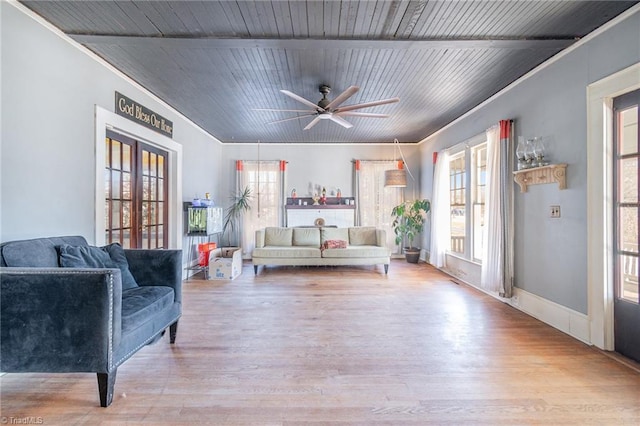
{"x":140,"y":114}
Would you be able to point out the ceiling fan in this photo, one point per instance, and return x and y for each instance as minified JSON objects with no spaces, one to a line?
{"x":327,"y":109}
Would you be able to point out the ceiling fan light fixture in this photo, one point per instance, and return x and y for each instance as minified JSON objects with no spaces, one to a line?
{"x":396,"y":178}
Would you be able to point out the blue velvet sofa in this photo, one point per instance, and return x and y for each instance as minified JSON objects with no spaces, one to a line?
{"x":59,"y":317}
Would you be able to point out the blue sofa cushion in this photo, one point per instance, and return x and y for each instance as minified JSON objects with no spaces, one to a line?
{"x":111,"y":256}
{"x":142,"y":304}
{"x":36,"y":253}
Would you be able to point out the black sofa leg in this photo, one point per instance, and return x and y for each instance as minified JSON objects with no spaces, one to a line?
{"x":255,"y":269}
{"x":173,"y":330}
{"x":386,"y":268}
{"x":106,"y":383}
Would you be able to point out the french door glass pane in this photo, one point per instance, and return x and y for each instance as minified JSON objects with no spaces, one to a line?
{"x":628,"y":229}
{"x":115,"y":184}
{"x":628,"y":180}
{"x":126,"y":214}
{"x":160,"y":189}
{"x":628,"y":132}
{"x":153,"y":164}
{"x":126,"y":157}
{"x":160,"y":166}
{"x":115,"y":215}
{"x":107,"y":183}
{"x":126,"y":186}
{"x":115,"y":155}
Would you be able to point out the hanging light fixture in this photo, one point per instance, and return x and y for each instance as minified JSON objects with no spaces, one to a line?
{"x":397,"y":178}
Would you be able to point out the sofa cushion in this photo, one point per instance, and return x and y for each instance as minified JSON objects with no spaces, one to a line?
{"x":141,"y":304}
{"x":286,"y":252}
{"x":36,"y":253}
{"x":306,"y":237}
{"x":111,"y":256}
{"x":276,"y":236}
{"x":362,"y":236}
{"x":333,"y":234}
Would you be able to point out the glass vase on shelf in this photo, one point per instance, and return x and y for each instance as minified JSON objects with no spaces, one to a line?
{"x":520,"y":150}
{"x":529,"y":155}
{"x":539,"y":152}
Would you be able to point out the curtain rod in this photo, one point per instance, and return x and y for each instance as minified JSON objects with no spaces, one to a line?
{"x":376,"y":161}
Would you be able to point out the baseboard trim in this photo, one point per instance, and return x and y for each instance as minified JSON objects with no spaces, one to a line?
{"x":571,"y":322}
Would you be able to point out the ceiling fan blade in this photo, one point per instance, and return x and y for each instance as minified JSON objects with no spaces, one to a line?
{"x":351,"y":90}
{"x":367,"y":104}
{"x":313,"y":123}
{"x":341,"y":121}
{"x":284,"y":110}
{"x":291,"y":118}
{"x":363,"y":114}
{"x":302,"y":100}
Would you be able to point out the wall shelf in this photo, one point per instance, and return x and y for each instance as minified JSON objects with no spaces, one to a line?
{"x":538,"y":175}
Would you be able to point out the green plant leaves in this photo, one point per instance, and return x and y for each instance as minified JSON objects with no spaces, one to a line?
{"x":409,"y":219}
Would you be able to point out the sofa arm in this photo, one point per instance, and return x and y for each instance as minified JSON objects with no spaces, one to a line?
{"x":381,"y":238}
{"x":59,"y":319}
{"x":259,"y":238}
{"x":157,"y":267}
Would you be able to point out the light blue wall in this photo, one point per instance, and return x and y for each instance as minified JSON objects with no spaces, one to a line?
{"x":551,"y":254}
{"x":49,"y":92}
{"x":330,"y":166}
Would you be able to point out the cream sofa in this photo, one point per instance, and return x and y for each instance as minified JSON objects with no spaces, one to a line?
{"x":313,"y":246}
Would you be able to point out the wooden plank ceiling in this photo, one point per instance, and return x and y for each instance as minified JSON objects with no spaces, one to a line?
{"x":215,"y":61}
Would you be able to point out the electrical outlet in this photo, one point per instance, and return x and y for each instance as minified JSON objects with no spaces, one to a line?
{"x":554,"y":211}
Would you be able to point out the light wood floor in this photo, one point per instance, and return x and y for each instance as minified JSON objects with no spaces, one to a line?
{"x":344,"y":345}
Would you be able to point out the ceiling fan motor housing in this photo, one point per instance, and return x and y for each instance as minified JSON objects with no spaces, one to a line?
{"x":325,"y":90}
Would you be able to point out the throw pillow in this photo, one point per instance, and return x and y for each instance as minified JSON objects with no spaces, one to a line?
{"x":111,"y":256}
{"x":335,"y":244}
{"x":362,"y":236}
{"x":334,"y":234}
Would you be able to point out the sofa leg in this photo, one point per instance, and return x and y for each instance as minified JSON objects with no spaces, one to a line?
{"x":173,"y":330}
{"x":386,"y":268}
{"x":255,"y":269}
{"x":106,"y":383}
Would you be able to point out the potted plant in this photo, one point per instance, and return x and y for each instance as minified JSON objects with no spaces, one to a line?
{"x":408,"y":221}
{"x":233,"y":214}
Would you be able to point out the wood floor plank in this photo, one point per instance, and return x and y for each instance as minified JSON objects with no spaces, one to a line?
{"x":350,"y":345}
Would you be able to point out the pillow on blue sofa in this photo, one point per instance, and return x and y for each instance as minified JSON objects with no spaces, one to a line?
{"x":111,"y":256}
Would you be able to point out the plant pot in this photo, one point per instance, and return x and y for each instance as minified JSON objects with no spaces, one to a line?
{"x":412,"y":254}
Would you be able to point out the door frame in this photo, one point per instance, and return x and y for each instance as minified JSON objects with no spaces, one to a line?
{"x":600,"y":268}
{"x":104,"y":120}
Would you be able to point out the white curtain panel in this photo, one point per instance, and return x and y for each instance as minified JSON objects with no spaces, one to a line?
{"x":497,"y":266}
{"x":492,"y":272}
{"x":375,"y":201}
{"x":440,"y":212}
{"x":264,"y":178}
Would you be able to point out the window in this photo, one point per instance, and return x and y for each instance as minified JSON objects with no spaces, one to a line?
{"x":375,"y":200}
{"x":467,"y":174}
{"x":479,"y":185}
{"x":458,"y":201}
{"x":264,"y":179}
